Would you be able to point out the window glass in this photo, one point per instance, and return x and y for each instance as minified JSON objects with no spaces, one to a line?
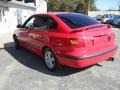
{"x":44,"y":23}
{"x":74,"y":20}
{"x":40,"y":23}
{"x":29,"y":24}
{"x":51,"y":23}
{"x":117,"y":17}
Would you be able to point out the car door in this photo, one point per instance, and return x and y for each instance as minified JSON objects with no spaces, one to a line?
{"x":27,"y":28}
{"x":39,"y":36}
{"x":21,"y":36}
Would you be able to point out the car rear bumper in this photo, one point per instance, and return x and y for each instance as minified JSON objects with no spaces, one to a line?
{"x":84,"y":61}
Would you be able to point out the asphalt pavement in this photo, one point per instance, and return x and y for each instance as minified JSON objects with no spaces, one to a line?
{"x":22,"y":70}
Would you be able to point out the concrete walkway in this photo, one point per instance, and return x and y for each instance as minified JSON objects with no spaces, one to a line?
{"x":5,"y":38}
{"x":22,"y":70}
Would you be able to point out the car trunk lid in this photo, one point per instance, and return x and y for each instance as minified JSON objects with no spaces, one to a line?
{"x":95,"y":36}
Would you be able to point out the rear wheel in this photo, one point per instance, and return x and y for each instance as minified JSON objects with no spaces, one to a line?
{"x":50,"y":60}
{"x":16,"y":42}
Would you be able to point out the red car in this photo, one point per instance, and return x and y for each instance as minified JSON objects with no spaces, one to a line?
{"x":69,"y":39}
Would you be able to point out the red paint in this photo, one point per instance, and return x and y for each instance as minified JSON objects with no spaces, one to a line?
{"x":87,"y":41}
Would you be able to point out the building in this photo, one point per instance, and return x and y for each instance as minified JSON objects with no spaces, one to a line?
{"x":95,"y":13}
{"x":16,"y":12}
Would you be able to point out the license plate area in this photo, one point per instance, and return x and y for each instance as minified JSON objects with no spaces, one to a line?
{"x":100,"y":40}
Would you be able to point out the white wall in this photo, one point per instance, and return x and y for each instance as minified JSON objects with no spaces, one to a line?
{"x":10,"y":18}
{"x":41,"y":6}
{"x":95,"y":13}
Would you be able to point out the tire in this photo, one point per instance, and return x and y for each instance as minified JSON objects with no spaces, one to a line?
{"x":50,"y":60}
{"x":16,"y":42}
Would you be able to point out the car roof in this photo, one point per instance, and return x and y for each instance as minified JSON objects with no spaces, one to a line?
{"x":54,"y":13}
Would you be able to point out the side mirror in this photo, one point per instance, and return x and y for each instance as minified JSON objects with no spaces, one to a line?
{"x":19,"y":26}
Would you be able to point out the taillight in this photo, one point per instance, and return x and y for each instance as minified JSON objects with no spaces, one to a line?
{"x":77,"y":42}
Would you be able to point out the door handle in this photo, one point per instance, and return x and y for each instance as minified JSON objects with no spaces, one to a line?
{"x":31,"y":36}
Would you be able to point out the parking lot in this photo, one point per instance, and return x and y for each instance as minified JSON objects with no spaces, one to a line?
{"x":22,"y":70}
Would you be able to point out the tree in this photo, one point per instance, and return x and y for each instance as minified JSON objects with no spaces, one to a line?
{"x":89,"y":5}
{"x":53,"y":5}
{"x":67,"y":5}
{"x":92,"y":6}
{"x":82,"y":6}
{"x":61,"y":5}
{"x":85,"y":5}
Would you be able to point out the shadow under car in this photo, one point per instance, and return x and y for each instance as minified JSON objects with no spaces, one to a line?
{"x":35,"y":62}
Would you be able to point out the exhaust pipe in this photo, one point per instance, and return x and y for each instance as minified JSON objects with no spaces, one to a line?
{"x":110,"y":59}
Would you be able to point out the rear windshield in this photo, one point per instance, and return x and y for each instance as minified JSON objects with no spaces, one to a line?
{"x":75,"y":20}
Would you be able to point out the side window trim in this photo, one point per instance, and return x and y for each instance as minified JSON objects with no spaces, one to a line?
{"x":49,"y":17}
{"x":40,"y":16}
{"x":27,"y":21}
{"x":47,"y":26}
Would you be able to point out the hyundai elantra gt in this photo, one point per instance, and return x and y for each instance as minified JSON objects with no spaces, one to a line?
{"x":70,"y":39}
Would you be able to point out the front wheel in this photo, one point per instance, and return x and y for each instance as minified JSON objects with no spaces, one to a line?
{"x":50,"y":60}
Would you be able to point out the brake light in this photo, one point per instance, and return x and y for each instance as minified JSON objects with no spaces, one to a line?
{"x":73,"y":42}
{"x":77,"y":42}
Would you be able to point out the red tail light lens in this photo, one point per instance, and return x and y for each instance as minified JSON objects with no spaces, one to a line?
{"x":77,"y":42}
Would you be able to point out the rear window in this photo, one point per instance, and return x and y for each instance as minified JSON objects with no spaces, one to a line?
{"x":75,"y":20}
{"x":117,"y":17}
